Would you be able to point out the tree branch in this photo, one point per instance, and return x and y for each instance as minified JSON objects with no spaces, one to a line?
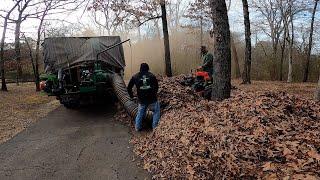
{"x":149,"y":19}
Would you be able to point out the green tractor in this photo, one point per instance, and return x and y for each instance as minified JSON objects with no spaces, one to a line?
{"x":84,"y":70}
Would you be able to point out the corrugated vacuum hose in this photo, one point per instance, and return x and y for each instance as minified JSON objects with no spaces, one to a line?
{"x":121,"y":92}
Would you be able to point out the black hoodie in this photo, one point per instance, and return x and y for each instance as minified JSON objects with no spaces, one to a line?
{"x":146,"y":84}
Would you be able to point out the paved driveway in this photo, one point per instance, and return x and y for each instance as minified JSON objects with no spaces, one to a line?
{"x":71,"y":144}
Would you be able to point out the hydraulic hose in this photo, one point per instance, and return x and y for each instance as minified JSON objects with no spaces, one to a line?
{"x":121,"y":92}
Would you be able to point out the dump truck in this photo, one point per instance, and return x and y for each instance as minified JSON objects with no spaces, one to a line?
{"x":83,"y":70}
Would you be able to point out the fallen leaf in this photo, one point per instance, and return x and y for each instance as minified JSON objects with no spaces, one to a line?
{"x":286,"y":151}
{"x":269,"y":166}
{"x":314,"y":154}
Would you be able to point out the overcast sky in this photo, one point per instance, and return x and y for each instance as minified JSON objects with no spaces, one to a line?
{"x":235,"y":21}
{"x":29,"y":26}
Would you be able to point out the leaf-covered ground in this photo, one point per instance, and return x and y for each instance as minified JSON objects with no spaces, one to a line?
{"x":20,"y":107}
{"x":266,"y":130}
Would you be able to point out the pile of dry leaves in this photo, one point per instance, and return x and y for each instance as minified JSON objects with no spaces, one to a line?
{"x":251,"y":135}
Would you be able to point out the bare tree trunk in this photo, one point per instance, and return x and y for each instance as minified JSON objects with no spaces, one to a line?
{"x":201,"y":32}
{"x":18,"y":50}
{"x":158,"y":29}
{"x":5,"y":25}
{"x":235,"y":58}
{"x":177,"y":10}
{"x":139,"y":33}
{"x":166,"y":39}
{"x":246,"y":77}
{"x":306,"y":70}
{"x":283,"y":47}
{"x":222,"y":62}
{"x":317,"y":94}
{"x":3,"y":78}
{"x":17,"y":37}
{"x":273,"y":70}
{"x":290,"y":69}
{"x":37,"y":76}
{"x":31,"y":57}
{"x":285,"y":18}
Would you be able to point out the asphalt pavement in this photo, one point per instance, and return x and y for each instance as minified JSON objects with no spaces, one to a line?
{"x":72,"y":144}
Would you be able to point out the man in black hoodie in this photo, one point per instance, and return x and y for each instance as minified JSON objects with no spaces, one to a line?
{"x":147,"y":89}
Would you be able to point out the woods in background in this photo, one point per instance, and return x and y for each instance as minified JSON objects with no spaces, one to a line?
{"x":22,"y":11}
{"x":278,"y":39}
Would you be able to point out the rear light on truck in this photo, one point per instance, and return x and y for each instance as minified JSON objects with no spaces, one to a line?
{"x":42,"y":85}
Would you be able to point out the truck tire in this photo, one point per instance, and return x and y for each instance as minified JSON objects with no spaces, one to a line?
{"x":71,"y":104}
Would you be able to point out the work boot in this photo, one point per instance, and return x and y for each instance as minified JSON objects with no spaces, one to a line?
{"x":137,"y":130}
